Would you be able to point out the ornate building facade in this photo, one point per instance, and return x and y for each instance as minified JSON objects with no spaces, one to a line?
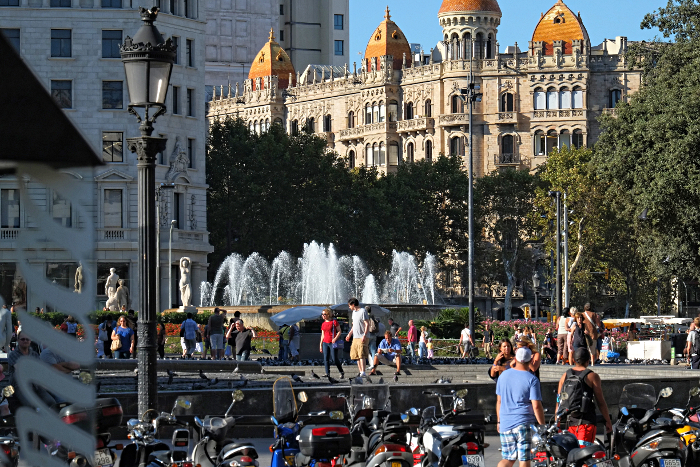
{"x":399,"y":107}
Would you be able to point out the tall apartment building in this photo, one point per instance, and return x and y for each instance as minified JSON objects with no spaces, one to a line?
{"x":310,"y":31}
{"x":73,"y":47}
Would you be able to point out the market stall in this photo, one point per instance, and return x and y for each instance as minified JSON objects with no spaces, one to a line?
{"x":652,"y":337}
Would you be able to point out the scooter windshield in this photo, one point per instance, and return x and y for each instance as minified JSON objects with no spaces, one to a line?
{"x":638,"y":396}
{"x":367,"y":398}
{"x":284,"y":402}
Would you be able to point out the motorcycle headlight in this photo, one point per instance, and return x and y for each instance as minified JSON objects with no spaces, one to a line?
{"x":536,"y":438}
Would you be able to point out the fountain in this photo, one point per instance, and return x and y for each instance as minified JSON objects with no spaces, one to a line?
{"x":320,"y":276}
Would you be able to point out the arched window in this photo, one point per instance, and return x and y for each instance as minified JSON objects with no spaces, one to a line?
{"x":267,"y":124}
{"x":382,"y":154}
{"x":456,"y":146}
{"x":311,"y":125}
{"x":577,"y":139}
{"x":251,"y":126}
{"x":552,"y":99}
{"x":552,"y":140}
{"x":577,"y":98}
{"x":615,"y":97}
{"x":539,"y":143}
{"x":507,"y":102}
{"x":375,"y":148}
{"x":428,"y":108}
{"x":257,"y":126}
{"x":393,"y":153}
{"x":429,"y":151}
{"x":327,"y":122}
{"x":375,"y":112}
{"x":295,"y":127}
{"x":540,"y":99}
{"x":564,"y":98}
{"x":507,"y":146}
{"x":564,"y":139}
{"x":409,"y":111}
{"x":489,"y":47}
{"x":351,"y":119}
{"x":457,"y":105}
{"x":467,"y":44}
{"x":351,"y":159}
{"x":278,"y":121}
{"x":368,"y":114}
{"x":479,"y":46}
{"x":382,"y":112}
{"x":409,"y":153}
{"x":393,"y":111}
{"x":369,"y":156}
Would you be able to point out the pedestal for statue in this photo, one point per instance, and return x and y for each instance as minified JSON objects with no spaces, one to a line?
{"x":187,"y":309}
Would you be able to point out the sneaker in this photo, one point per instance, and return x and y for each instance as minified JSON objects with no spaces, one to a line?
{"x":342,"y":375}
{"x":362,"y":375}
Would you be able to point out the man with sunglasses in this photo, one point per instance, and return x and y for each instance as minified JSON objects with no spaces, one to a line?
{"x":24,"y":349}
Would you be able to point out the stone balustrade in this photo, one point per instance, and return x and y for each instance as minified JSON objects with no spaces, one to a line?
{"x":416,"y":124}
{"x":453,"y":119}
{"x":559,"y":114}
{"x":360,"y":131}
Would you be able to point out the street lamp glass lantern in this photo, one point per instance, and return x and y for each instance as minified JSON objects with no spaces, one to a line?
{"x":148,"y":63}
{"x":536,"y":280}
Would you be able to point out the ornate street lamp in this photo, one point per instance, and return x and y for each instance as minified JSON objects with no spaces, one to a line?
{"x":148,"y":62}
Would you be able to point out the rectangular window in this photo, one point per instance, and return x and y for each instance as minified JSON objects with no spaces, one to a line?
{"x":176,"y":43}
{"x":111,"y":3}
{"x":61,"y":210}
{"x":112,"y":209}
{"x":60,"y":3}
{"x":9,"y":209}
{"x":281,"y":9}
{"x":173,"y":7}
{"x":60,"y":42}
{"x":189,"y":51}
{"x":112,"y":95}
{"x":190,"y":151}
{"x":62,"y":92}
{"x":338,"y":22}
{"x":281,"y":35}
{"x":113,"y":146}
{"x":179,"y":210}
{"x":339,"y":48}
{"x":186,"y":7}
{"x":12,"y":36}
{"x":9,"y":2}
{"x":110,"y":43}
{"x":190,"y":102}
{"x":176,"y":100}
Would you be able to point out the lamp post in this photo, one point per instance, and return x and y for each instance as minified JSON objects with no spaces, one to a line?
{"x":170,"y":264}
{"x":557,"y":197}
{"x":148,"y":63}
{"x":536,"y":286}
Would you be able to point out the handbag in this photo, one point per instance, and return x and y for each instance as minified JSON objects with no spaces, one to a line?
{"x":340,"y":343}
{"x":116,"y":345}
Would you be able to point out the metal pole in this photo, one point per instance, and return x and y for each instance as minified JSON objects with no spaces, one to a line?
{"x":471,"y":195}
{"x":170,"y":265}
{"x":658,"y":297}
{"x":558,"y":291}
{"x":566,"y":253}
{"x":159,"y":193}
{"x":537,"y":310}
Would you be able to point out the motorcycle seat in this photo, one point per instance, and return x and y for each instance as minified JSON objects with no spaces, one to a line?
{"x":470,"y":427}
{"x":580,"y":454}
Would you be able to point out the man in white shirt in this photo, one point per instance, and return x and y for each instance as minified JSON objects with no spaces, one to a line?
{"x":360,"y":345}
{"x":5,"y":328}
{"x":466,"y":341}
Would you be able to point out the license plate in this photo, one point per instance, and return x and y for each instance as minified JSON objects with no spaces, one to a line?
{"x":609,"y":463}
{"x":396,"y":464}
{"x":103,"y":458}
{"x":473,"y":461}
{"x":291,"y":460}
{"x":669,"y":463}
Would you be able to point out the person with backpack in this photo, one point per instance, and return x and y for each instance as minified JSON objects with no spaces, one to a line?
{"x":104,"y":334}
{"x":331,"y":344}
{"x":693,"y":345}
{"x":583,"y":391}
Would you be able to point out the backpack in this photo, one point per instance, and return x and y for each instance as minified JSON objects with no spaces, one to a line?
{"x":372,"y":326}
{"x":695,"y":344}
{"x":103,"y":336}
{"x":574,"y":399}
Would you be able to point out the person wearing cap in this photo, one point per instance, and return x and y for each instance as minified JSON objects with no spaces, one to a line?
{"x":584,"y":426}
{"x":535,"y":361}
{"x":518,"y":405}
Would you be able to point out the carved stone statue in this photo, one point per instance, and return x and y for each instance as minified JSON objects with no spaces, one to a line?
{"x":111,"y":283}
{"x":179,"y":161}
{"x":112,"y":303}
{"x":122,"y":295}
{"x":185,"y":283}
{"x":79,"y":279}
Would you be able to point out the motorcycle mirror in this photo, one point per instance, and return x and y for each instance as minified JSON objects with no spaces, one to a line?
{"x":666,"y":392}
{"x":564,"y":396}
{"x":274,"y":420}
{"x":132,"y":423}
{"x":694,"y":391}
{"x":302,"y":396}
{"x":624,"y":411}
{"x":238,"y":395}
{"x":185,"y":404}
{"x":149,"y":415}
{"x":8,"y":391}
{"x":367,"y":403}
{"x":462,"y":393}
{"x":85,"y":377}
{"x":198,"y":421}
{"x":404,"y":418}
{"x":337,"y":415}
{"x":413,"y":411}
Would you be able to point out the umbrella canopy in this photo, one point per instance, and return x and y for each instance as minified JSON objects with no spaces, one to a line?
{"x":296,"y":314}
{"x":376,"y":310}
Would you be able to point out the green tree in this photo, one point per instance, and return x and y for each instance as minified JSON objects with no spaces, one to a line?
{"x":504,"y":207}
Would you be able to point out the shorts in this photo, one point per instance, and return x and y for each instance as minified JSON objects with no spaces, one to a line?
{"x":217,"y":341}
{"x":383,"y":359}
{"x":562,"y":348}
{"x":516,"y":444}
{"x":591,"y":344}
{"x":585,"y":434}
{"x":190,"y":345}
{"x":359,"y":349}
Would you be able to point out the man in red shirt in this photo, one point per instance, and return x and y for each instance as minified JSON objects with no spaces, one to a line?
{"x":412,"y":339}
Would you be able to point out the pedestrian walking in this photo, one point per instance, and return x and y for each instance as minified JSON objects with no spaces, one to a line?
{"x":466,"y":341}
{"x":6,"y":329}
{"x":592,"y":324}
{"x":215,"y":333}
{"x":488,"y":339}
{"x":394,"y":327}
{"x":581,"y":387}
{"x":562,"y":335}
{"x":104,"y":334}
{"x":125,"y":335}
{"x":536,"y":357}
{"x":25,"y":349}
{"x":578,"y":333}
{"x":422,"y":348}
{"x":331,"y":342}
{"x":372,"y":334}
{"x":518,"y":405}
{"x":231,"y":337}
{"x":160,"y":340}
{"x":359,"y":350}
{"x":244,"y":337}
{"x":429,"y":346}
{"x":284,"y":332}
{"x":692,"y":345}
{"x":412,"y":337}
{"x":502,"y":361}
{"x":294,"y":341}
{"x":190,"y":329}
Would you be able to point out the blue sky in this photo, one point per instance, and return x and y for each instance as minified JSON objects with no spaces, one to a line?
{"x":418,"y":20}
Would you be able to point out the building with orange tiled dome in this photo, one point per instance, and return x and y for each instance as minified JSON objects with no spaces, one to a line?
{"x":272,"y":60}
{"x":559,"y":24}
{"x":387,"y":39}
{"x":459,"y":6}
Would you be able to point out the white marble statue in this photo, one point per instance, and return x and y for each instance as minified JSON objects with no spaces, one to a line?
{"x":79,"y":279}
{"x":185,"y":283}
{"x":122,"y":295}
{"x":111,"y":283}
{"x":112,"y":302}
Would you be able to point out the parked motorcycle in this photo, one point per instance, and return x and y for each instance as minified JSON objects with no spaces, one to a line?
{"x":555,"y":448}
{"x":214,"y":449}
{"x":9,"y":441}
{"x":450,"y":439}
{"x":641,"y":435}
{"x":146,"y":449}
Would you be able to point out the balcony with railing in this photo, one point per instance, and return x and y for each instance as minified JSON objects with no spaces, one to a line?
{"x":453,"y":119}
{"x":506,"y":160}
{"x":611,"y":112}
{"x":8,"y":234}
{"x":507,"y":117}
{"x":362,"y":130}
{"x":113,"y":235}
{"x":416,"y":124}
{"x":562,"y":114}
